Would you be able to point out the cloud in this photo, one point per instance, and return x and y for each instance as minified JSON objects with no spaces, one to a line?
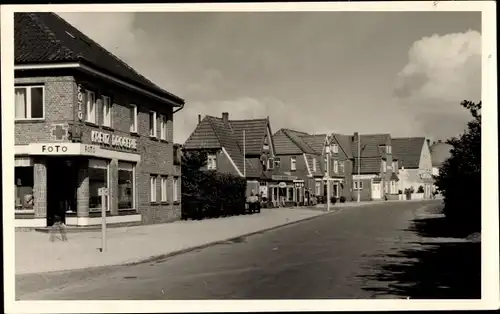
{"x":441,"y":72}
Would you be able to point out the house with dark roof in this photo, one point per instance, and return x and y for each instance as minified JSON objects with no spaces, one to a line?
{"x":415,"y":165}
{"x":304,"y":164}
{"x":91,"y":133}
{"x":240,"y":147}
{"x":375,"y":167}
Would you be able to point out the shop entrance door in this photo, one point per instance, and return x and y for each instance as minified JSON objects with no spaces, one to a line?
{"x":62,"y":177}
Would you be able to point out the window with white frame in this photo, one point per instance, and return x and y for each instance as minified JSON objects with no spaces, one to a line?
{"x":358,"y":185}
{"x":175,"y":191}
{"x":270,"y":163}
{"x":163,"y":127}
{"x":314,"y":164}
{"x":211,"y":161}
{"x":152,"y":187}
{"x":317,"y":186}
{"x":29,"y":102}
{"x":326,"y":164}
{"x":388,"y":149}
{"x":24,"y":183}
{"x":335,"y":148}
{"x":395,"y":166}
{"x":91,"y":107}
{"x":152,"y":124}
{"x":98,"y":178}
{"x":106,"y":111}
{"x":342,"y":166}
{"x":163,"y":188}
{"x":384,"y":166}
{"x":293,"y":163}
{"x":133,"y":118}
{"x":335,"y":166}
{"x":393,"y":187}
{"x":126,"y":185}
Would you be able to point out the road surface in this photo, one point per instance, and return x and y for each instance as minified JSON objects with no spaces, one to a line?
{"x":341,"y":255}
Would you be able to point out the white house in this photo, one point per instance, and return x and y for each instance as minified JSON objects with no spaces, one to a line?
{"x":415,"y":165}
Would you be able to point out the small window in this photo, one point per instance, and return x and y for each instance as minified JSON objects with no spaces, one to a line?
{"x":152,"y":188}
{"x":175,"y":191}
{"x":358,"y":185}
{"x":163,"y":188}
{"x":384,"y":166}
{"x":395,"y":165}
{"x":106,"y":111}
{"x":133,"y":118}
{"x":335,"y":166}
{"x":152,"y":124}
{"x":29,"y":102}
{"x":91,"y":107}
{"x":163,"y":128}
{"x":314,"y":164}
{"x":293,"y":163}
{"x":211,"y":162}
{"x":342,"y":166}
{"x":276,"y":162}
{"x":318,"y":187}
{"x":335,"y":148}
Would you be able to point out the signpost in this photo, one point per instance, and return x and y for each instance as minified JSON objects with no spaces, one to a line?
{"x":103,"y":193}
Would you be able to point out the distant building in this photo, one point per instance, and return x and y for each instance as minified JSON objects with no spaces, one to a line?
{"x":415,"y":164}
{"x":378,"y":167}
{"x":243,"y":148}
{"x":85,"y":120}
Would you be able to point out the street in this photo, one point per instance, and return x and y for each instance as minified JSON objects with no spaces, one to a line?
{"x":347,"y":254}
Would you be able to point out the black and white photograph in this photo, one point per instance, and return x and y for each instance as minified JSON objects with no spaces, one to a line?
{"x":286,"y":152}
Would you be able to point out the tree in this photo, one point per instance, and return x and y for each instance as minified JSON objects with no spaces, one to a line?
{"x":459,"y":178}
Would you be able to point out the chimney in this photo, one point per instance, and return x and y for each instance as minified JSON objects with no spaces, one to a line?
{"x":199,"y":118}
{"x":225,"y":117}
{"x":429,"y":142}
{"x":355,"y":137}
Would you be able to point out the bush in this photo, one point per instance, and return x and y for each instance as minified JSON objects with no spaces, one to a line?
{"x":420,"y":189}
{"x":342,"y":199}
{"x":333,"y":200}
{"x":400,"y":192}
{"x":459,"y":179}
{"x":208,"y":193}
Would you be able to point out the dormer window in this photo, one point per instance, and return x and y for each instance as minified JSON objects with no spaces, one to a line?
{"x":276,"y":162}
{"x":388,"y":149}
{"x":211,"y":162}
{"x":265,"y":146}
{"x":335,"y":148}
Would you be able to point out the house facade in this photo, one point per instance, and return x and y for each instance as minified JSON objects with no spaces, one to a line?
{"x":243,"y":148}
{"x":84,"y":120}
{"x":415,"y":165}
{"x":375,"y":174}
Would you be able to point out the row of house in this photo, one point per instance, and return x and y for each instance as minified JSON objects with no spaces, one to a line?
{"x":293,"y":166}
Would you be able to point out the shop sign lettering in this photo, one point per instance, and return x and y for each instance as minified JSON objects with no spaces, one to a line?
{"x":54,"y":149}
{"x":79,"y":97}
{"x":89,"y":149}
{"x":113,"y":140}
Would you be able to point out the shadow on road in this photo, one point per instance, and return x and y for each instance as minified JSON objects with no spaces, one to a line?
{"x":443,"y":269}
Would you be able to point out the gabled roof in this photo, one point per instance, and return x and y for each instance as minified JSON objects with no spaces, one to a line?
{"x":213,"y":133}
{"x":44,"y":37}
{"x":316,"y":142}
{"x":408,"y":149}
{"x":289,"y":141}
{"x":344,"y":142}
{"x":369,"y":145}
{"x":255,"y":132}
{"x":369,"y":165}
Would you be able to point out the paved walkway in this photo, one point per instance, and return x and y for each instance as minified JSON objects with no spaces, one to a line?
{"x":36,"y":254}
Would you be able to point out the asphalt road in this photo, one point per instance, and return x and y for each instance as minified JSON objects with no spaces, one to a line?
{"x":340,"y":255}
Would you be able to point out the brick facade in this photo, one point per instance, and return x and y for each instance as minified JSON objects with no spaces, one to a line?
{"x":61,"y":111}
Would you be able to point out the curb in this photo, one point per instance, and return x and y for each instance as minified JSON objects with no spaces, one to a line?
{"x":206,"y":245}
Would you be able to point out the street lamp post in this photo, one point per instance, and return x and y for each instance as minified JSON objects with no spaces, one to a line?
{"x":359,"y":167}
{"x":327,"y":177}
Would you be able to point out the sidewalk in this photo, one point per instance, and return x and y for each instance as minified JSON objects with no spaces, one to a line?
{"x":128,"y":245}
{"x":36,"y":254}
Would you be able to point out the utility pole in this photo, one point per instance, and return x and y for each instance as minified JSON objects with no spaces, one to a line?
{"x":359,"y":167}
{"x":244,"y":155}
{"x":328,"y":177}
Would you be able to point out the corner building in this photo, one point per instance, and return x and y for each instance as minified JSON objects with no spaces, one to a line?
{"x":85,"y":120}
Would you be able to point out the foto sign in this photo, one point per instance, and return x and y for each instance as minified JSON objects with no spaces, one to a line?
{"x":282,"y":185}
{"x":79,"y":101}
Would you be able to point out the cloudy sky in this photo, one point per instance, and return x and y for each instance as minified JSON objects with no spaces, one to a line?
{"x":404,"y":73}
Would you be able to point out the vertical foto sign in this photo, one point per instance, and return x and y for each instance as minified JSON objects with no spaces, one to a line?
{"x":79,"y":98}
{"x":103,"y":193}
